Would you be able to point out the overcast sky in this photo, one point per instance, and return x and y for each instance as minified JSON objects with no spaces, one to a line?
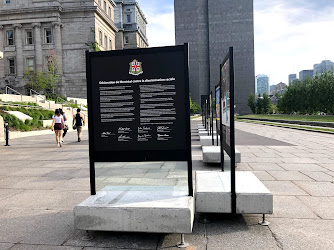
{"x":290,"y":35}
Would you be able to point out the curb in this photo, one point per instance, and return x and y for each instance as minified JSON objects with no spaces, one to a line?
{"x":282,"y":126}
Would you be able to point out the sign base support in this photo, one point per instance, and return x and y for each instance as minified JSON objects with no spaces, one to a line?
{"x":182,"y":244}
{"x":263,"y":222}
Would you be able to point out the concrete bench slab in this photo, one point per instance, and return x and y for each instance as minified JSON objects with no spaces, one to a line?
{"x":211,"y":154}
{"x":205,"y":132}
{"x":206,"y":140}
{"x":252,"y":195}
{"x":200,"y":126}
{"x":155,"y":209}
{"x":213,"y":194}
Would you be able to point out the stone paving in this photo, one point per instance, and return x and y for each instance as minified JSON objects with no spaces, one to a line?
{"x":40,"y":184}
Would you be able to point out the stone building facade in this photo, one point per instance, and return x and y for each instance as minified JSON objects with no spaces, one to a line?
{"x":30,"y":29}
{"x":131,"y":22}
{"x":211,"y":27}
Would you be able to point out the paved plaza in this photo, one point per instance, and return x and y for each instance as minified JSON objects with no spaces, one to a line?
{"x":40,"y":185}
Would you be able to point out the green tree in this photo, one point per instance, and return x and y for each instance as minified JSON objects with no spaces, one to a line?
{"x":251,"y":103}
{"x":194,"y":107}
{"x":259,"y":104}
{"x":35,"y":80}
{"x":311,"y":96}
{"x":52,"y":71}
{"x":266,"y":103}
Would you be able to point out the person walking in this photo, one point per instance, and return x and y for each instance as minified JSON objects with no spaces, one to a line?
{"x":65,"y":128}
{"x":57,"y":126}
{"x":79,"y":121}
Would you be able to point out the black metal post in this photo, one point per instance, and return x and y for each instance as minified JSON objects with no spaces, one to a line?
{"x":7,"y":133}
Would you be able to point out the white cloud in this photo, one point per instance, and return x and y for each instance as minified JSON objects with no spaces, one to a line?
{"x":289,"y":39}
{"x":161,"y":29}
{"x":289,"y":35}
{"x":160,"y":18}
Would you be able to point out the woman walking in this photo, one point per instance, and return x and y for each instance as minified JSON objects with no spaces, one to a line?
{"x":57,"y":125}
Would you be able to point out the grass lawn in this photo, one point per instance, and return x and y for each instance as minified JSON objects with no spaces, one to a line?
{"x":316,"y":118}
{"x":311,"y":128}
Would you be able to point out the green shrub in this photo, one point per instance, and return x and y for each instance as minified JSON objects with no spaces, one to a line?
{"x":194,"y":107}
{"x":28,"y":125}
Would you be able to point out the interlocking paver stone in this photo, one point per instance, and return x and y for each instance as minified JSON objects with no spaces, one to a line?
{"x":37,"y":196}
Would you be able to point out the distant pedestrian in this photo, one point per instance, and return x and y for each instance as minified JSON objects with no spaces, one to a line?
{"x":57,"y":126}
{"x":65,"y":129}
{"x":79,"y":121}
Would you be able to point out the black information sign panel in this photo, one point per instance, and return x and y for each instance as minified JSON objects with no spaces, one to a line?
{"x":227,"y":121}
{"x":217,"y":96}
{"x":138,"y":104}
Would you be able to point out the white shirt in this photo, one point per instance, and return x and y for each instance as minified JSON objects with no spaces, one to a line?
{"x":57,"y":118}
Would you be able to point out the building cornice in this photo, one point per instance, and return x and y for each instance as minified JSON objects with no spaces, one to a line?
{"x":30,"y":10}
{"x":112,"y":2}
{"x":141,"y":12}
{"x":106,"y":18}
{"x":17,"y":25}
{"x":132,"y":4}
{"x":36,"y":25}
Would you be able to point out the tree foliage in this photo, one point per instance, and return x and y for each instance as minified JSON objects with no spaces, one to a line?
{"x":311,"y":96}
{"x":252,"y":103}
{"x":260,"y":105}
{"x":194,"y":107}
{"x":44,"y":81}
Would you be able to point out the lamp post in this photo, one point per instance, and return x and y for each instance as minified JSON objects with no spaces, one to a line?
{"x":7,"y":133}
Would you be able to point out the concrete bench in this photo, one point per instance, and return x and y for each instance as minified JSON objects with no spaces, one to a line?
{"x":213,"y":193}
{"x":155,"y":209}
{"x":205,"y":132}
{"x":211,"y":154}
{"x":206,"y":140}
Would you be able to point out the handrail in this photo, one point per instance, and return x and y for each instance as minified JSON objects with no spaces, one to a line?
{"x":38,"y":94}
{"x":7,"y":87}
{"x":63,"y":101}
{"x":18,"y":105}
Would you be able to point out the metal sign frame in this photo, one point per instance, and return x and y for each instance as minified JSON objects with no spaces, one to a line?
{"x":229,"y":149}
{"x":139,"y":155}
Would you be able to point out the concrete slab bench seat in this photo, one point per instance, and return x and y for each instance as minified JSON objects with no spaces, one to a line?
{"x":155,"y":209}
{"x":206,"y":140}
{"x":205,"y":132}
{"x":213,"y":194}
{"x":211,"y":154}
{"x":200,"y":126}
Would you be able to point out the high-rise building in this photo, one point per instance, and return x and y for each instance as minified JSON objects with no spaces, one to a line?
{"x":272,"y":88}
{"x":278,"y":88}
{"x":211,"y":27}
{"x":292,"y":77}
{"x":131,"y":22}
{"x":30,"y":29}
{"x":325,"y":65}
{"x":305,"y":74}
{"x":262,"y":84}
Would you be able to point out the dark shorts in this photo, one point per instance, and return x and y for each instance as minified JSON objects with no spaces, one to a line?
{"x":58,"y":126}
